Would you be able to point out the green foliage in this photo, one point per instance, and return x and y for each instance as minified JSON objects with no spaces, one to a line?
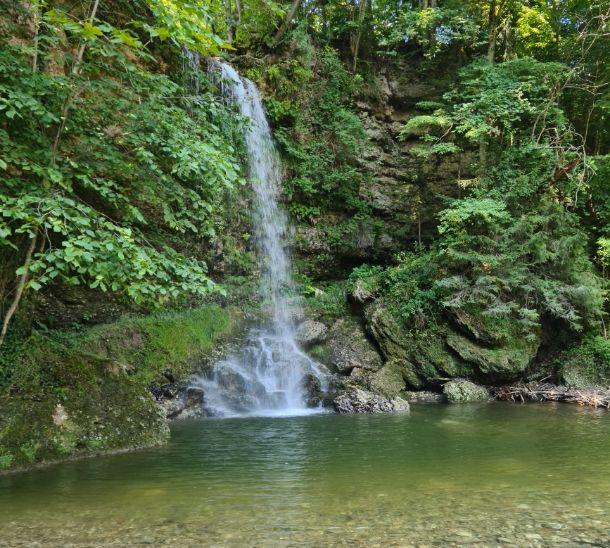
{"x":320,"y":136}
{"x":105,"y":162}
{"x":499,"y":101}
{"x":603,"y":252}
{"x":435,"y":30}
{"x":328,"y":303}
{"x":189,"y":23}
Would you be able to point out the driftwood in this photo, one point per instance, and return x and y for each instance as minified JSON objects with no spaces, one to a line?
{"x":549,"y":392}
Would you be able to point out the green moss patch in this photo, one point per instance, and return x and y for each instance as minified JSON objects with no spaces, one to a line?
{"x":73,"y":393}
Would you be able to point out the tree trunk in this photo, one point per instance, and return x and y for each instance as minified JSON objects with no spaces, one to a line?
{"x":492,"y":31}
{"x":358,"y":37}
{"x":287,"y":20}
{"x":36,"y":17}
{"x":81,"y":51}
{"x":23,"y":280}
{"x":229,"y":21}
{"x":237,"y":13}
{"x":75,"y":72}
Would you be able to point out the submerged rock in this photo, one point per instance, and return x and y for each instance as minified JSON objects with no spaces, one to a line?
{"x":463,"y":391}
{"x":356,"y":400}
{"x":424,"y":396}
{"x":311,"y":332}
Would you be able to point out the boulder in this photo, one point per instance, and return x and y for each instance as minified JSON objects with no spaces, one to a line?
{"x":386,"y":331}
{"x":422,"y":358}
{"x":187,"y":403}
{"x":310,"y":332}
{"x":463,"y":391}
{"x":389,"y":380}
{"x":356,"y":400}
{"x":194,"y":396}
{"x":350,"y":347}
{"x":312,"y":388}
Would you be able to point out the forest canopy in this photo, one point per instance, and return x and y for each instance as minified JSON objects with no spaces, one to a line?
{"x":118,"y":165}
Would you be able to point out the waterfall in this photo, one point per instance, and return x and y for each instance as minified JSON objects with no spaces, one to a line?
{"x":270,"y":374}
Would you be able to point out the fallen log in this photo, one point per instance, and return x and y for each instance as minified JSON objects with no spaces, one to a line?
{"x":542,"y":392}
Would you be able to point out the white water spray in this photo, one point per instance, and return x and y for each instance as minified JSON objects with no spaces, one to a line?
{"x":270,"y":374}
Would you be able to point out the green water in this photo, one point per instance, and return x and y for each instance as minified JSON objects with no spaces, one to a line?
{"x":445,"y":475}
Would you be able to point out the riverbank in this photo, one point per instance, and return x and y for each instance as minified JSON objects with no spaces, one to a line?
{"x":74,"y":393}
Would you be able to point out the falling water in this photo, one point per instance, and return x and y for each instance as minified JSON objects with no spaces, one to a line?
{"x":270,"y":373}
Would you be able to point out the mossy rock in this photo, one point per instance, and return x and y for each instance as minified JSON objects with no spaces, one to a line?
{"x":424,"y":356}
{"x":67,"y":403}
{"x":349,"y":347}
{"x":389,"y":380}
{"x":475,"y":325}
{"x":586,"y":366}
{"x":387,"y":332}
{"x":463,"y":391}
{"x":439,"y":352}
{"x":73,"y":393}
{"x":497,"y":364}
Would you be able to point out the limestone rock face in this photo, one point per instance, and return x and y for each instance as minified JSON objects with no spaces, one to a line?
{"x":350,"y":348}
{"x":386,"y":332}
{"x":356,"y":400}
{"x":463,"y":391}
{"x":311,"y":332}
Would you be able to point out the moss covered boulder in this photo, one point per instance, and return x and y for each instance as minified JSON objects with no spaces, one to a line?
{"x":500,"y":363}
{"x":587,"y":365}
{"x":66,"y":394}
{"x":347,"y":348}
{"x":430,"y":355}
{"x":463,"y":391}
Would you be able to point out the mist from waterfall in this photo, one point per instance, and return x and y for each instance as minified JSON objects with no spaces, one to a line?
{"x":270,"y":373}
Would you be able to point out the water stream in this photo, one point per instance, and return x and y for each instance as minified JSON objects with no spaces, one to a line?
{"x":269,"y":375}
{"x":463,"y":475}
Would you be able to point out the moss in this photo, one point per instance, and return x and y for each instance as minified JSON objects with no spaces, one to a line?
{"x":587,"y":365}
{"x":321,"y":353}
{"x":71,"y":393}
{"x":327,"y":302}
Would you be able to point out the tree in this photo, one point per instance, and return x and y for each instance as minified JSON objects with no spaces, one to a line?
{"x":95,"y":154}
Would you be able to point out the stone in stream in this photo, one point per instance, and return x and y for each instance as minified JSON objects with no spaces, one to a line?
{"x":313,"y":390}
{"x":356,"y":400}
{"x":463,"y":391}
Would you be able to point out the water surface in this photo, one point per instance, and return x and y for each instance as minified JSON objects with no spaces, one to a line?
{"x":496,"y":474}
